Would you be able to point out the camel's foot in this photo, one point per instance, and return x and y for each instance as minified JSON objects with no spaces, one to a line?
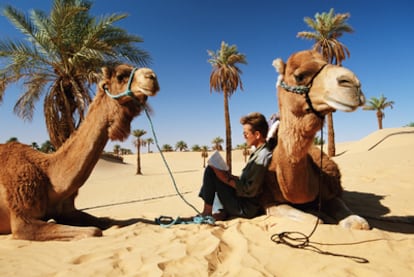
{"x":355,"y":222}
{"x":288,"y":211}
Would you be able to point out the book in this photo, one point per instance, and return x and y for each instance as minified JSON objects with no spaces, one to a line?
{"x":217,"y":161}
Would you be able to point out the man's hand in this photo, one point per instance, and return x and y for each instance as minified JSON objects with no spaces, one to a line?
{"x":225,"y":177}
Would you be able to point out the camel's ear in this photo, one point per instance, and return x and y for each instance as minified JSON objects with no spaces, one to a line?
{"x":106,"y":73}
{"x":279,"y":65}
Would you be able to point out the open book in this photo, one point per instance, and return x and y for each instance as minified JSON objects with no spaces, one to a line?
{"x":217,"y":161}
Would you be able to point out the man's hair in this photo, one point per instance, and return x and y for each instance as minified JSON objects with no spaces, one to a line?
{"x":257,"y":121}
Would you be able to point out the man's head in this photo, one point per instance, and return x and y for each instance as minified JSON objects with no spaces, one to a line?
{"x":255,"y":128}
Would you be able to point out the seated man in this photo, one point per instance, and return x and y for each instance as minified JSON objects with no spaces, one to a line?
{"x":239,"y":195}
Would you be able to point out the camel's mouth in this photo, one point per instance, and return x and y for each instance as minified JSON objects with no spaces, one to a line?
{"x":146,"y":82}
{"x":341,"y":106}
{"x":348,"y":104}
{"x":148,"y":92}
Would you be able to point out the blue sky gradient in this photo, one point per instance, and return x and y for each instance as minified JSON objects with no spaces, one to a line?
{"x":177,"y":34}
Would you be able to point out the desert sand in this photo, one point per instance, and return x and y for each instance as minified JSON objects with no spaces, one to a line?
{"x":377,"y":174}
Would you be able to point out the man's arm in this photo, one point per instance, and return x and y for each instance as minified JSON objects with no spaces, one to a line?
{"x":225,"y":177}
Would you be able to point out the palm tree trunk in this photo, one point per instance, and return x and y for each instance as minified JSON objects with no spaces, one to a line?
{"x":379,"y":118}
{"x":228,"y":129}
{"x":331,"y":135}
{"x":139,"y":157}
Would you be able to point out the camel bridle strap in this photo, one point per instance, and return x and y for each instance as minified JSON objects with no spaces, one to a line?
{"x":304,"y":90}
{"x":127,"y":92}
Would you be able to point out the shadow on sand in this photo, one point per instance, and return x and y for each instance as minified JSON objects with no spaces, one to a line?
{"x":368,"y":205}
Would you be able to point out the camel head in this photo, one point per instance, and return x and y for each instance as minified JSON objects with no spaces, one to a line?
{"x":310,"y":84}
{"x":129,"y":85}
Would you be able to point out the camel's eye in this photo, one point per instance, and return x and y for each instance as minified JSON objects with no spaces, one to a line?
{"x":299,"y":78}
{"x":120,"y":77}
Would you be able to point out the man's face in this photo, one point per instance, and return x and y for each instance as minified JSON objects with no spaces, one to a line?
{"x":251,"y":137}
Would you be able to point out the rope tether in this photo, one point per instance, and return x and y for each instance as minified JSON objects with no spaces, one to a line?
{"x":199,"y":219}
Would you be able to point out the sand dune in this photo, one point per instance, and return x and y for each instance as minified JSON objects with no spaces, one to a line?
{"x":378,"y":176}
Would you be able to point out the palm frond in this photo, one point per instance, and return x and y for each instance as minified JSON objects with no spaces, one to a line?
{"x":25,"y":104}
{"x":328,"y":27}
{"x":19,"y":20}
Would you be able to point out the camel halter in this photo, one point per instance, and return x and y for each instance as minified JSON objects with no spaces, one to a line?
{"x":127,"y":92}
{"x":304,"y":90}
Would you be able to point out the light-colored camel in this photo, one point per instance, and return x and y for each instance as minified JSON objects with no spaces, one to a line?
{"x":308,"y":89}
{"x":36,"y":187}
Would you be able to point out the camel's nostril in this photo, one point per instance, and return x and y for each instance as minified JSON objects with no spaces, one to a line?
{"x":151,"y":76}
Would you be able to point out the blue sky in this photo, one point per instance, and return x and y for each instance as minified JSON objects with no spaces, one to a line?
{"x":177,"y":34}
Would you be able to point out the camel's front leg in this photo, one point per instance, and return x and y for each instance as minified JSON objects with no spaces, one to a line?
{"x":34,"y":229}
{"x":80,"y":218}
{"x":285,"y":210}
{"x":69,"y":215}
{"x":337,"y":209}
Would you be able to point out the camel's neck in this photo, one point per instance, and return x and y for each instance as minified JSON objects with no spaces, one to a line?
{"x":296,"y":135}
{"x":72,"y":164}
{"x":290,"y":157}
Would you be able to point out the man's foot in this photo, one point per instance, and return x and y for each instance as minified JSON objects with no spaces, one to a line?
{"x":220,"y":216}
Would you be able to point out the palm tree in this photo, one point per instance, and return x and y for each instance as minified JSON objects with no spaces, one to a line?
{"x":143,"y":142}
{"x":181,"y":145}
{"x":196,"y":148}
{"x":12,"y":139}
{"x":217,"y":143}
{"x":204,"y":154}
{"x":328,"y":27}
{"x":35,"y":146}
{"x":138,"y":142}
{"x":246,"y":151}
{"x":126,"y":151}
{"x":149,"y":142}
{"x":47,"y":147}
{"x":59,"y":58}
{"x":318,"y":141}
{"x":117,"y":149}
{"x":225,"y":77}
{"x":378,"y":104}
{"x":167,"y":148}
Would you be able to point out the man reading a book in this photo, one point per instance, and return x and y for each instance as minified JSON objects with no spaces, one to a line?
{"x":239,"y":195}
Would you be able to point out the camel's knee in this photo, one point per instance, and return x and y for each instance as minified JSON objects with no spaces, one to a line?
{"x":287,"y":211}
{"x":355,"y":222}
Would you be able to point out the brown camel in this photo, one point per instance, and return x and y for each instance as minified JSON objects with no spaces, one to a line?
{"x":36,"y":187}
{"x":308,"y":89}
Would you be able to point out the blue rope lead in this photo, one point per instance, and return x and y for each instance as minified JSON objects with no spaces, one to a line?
{"x":168,"y":221}
{"x":199,"y":219}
